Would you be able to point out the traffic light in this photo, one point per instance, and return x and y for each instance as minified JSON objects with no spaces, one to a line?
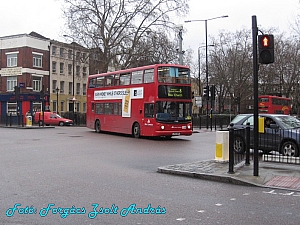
{"x":17,"y":92}
{"x":193,"y":94}
{"x":206,"y":92}
{"x":213,"y":92}
{"x":266,"y":48}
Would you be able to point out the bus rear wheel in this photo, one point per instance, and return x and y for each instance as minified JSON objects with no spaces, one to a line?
{"x":97,"y":126}
{"x":136,"y":131}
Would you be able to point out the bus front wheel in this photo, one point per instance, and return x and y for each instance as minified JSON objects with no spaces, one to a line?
{"x":97,"y":126}
{"x":136,"y":130}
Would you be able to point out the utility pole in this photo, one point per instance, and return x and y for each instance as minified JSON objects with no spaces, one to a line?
{"x":180,"y":52}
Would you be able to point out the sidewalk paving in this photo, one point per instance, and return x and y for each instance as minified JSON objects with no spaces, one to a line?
{"x":270,"y":174}
{"x":26,"y":127}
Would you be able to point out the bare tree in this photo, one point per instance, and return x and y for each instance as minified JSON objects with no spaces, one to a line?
{"x":118,"y":29}
{"x":230,"y":67}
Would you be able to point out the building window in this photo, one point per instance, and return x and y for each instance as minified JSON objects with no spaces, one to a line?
{"x":37,"y":106}
{"x":54,"y":50}
{"x":84,"y":89}
{"x":53,"y":67}
{"x":54,"y":106}
{"x":84,"y":107}
{"x":70,"y":53}
{"x":77,"y":70}
{"x":61,"y":68}
{"x":61,"y":52}
{"x":11,"y":83}
{"x":77,"y":56}
{"x":62,"y":88}
{"x":12,"y":108}
{"x":62,"y":105}
{"x":70,"y":88}
{"x":12,"y":59}
{"x":84,"y":73}
{"x":84,"y":56}
{"x":37,"y":60}
{"x":77,"y":106}
{"x":77,"y":88}
{"x":54,"y":86}
{"x":37,"y":83}
{"x":70,"y":69}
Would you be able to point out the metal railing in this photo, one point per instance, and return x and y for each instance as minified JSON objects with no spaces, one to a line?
{"x":274,"y":145}
{"x":215,"y":121}
{"x":239,"y":147}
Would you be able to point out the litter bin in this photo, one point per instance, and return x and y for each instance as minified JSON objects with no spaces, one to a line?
{"x":28,"y":121}
{"x":222,"y":145}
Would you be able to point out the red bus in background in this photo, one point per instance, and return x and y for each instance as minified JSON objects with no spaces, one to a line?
{"x":152,"y":100}
{"x":274,"y":104}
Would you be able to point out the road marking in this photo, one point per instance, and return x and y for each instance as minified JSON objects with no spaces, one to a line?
{"x":281,"y":192}
{"x":180,"y":219}
{"x":201,"y":211}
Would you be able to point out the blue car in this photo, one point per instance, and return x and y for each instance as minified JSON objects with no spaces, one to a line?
{"x":281,"y":133}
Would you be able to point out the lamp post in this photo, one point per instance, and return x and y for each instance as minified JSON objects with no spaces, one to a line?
{"x":206,"y":56}
{"x":73,"y":73}
{"x":57,"y":90}
{"x":199,"y":63}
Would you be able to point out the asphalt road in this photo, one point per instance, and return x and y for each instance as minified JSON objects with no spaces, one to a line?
{"x":71,"y":172}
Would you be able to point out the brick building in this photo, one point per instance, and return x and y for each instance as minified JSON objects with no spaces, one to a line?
{"x":25,"y":63}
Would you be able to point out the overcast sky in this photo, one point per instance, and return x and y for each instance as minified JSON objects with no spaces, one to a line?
{"x":45,"y":17}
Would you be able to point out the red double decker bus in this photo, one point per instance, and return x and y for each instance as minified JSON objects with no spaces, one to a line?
{"x":152,"y":100}
{"x":274,"y":104}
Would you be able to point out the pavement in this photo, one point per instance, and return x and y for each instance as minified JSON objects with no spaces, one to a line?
{"x":270,"y":174}
{"x":26,"y":126}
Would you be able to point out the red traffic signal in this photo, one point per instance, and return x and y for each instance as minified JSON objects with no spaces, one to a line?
{"x":266,"y":48}
{"x":265,"y":41}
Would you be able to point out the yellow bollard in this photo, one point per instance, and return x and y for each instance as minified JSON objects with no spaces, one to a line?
{"x":222,"y":146}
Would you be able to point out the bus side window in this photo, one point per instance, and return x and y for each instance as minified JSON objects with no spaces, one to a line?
{"x":100,"y":82}
{"x":125,"y":79}
{"x":137,"y":77}
{"x":109,"y":81}
{"x":93,"y":107}
{"x":149,"y":110}
{"x":149,"y":76}
{"x":92,"y":83}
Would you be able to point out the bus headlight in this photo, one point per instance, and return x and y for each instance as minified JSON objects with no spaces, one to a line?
{"x":162,"y":127}
{"x":189,"y":126}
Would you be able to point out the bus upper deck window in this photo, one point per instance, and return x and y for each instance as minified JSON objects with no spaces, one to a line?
{"x":92,"y":83}
{"x":109,"y":81}
{"x":100,"y":82}
{"x":149,"y":76}
{"x":125,"y":79}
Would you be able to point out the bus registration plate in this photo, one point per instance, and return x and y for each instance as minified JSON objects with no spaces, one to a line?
{"x":176,"y":134}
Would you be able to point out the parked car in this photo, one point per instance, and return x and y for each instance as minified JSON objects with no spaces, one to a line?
{"x":51,"y":118}
{"x":281,"y":133}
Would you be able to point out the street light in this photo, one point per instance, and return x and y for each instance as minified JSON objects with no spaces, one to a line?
{"x":206,"y":59}
{"x":199,"y":61}
{"x":57,"y":90}
{"x":73,"y":75}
